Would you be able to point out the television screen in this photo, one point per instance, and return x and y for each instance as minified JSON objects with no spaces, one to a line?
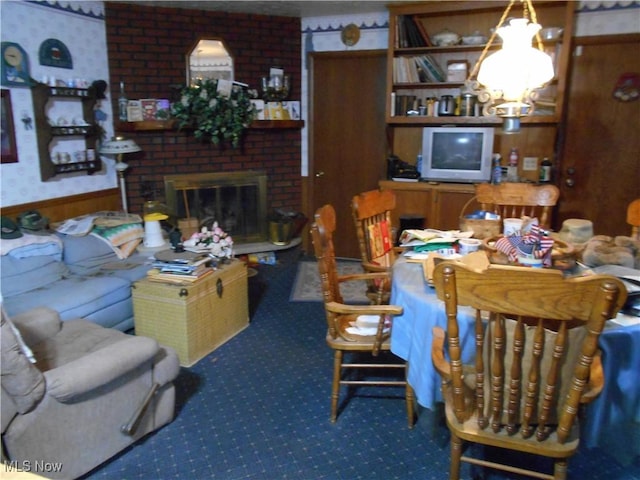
{"x":457,"y":154}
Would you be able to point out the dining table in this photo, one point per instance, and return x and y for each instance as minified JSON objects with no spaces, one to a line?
{"x":617,"y":406}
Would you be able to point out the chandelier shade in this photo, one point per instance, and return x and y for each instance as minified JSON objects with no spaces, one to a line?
{"x":518,"y":68}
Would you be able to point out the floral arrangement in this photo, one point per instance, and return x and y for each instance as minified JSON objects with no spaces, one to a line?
{"x":214,"y":114}
{"x":216,"y":240}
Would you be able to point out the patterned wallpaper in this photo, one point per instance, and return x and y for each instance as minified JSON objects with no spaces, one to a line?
{"x":80,"y":25}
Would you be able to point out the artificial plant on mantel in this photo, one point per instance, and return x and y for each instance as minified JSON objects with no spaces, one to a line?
{"x":218,"y":112}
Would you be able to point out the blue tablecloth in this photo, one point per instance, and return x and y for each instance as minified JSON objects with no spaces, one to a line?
{"x":411,"y":338}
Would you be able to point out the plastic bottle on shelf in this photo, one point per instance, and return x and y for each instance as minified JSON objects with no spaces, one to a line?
{"x":545,"y":170}
{"x":122,"y":104}
{"x":419,"y":164}
{"x":512,"y":169}
{"x":496,"y":174}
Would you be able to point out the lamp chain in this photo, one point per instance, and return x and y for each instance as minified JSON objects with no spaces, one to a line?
{"x":528,"y":7}
{"x":474,"y":71}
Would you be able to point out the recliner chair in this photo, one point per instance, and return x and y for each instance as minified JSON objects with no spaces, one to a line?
{"x":74,"y":393}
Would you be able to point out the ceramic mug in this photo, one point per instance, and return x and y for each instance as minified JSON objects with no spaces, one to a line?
{"x":80,"y":156}
{"x":468,"y":245}
{"x":512,"y":226}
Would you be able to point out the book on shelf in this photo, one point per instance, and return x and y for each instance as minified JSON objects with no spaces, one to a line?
{"x":409,"y":34}
{"x":423,"y":31}
{"x":418,"y":69}
{"x":431,"y":68}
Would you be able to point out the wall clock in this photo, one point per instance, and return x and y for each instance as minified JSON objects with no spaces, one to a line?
{"x":54,"y":53}
{"x":14,"y":66}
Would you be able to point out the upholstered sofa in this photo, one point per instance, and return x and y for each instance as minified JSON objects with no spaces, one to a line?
{"x":78,"y":276}
{"x":74,"y":394}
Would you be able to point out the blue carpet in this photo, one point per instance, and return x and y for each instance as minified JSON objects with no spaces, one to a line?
{"x":258,"y":408}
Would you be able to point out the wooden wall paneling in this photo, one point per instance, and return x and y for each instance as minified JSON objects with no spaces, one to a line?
{"x":62,"y":208}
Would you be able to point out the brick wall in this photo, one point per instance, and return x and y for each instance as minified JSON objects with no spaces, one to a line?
{"x":147,"y":48}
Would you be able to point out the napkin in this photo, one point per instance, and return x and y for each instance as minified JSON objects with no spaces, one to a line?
{"x":367,"y":325}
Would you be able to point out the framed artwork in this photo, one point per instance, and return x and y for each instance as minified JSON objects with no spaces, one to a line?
{"x":9,"y":153}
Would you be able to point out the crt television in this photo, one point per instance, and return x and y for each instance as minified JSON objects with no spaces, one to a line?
{"x":457,"y":154}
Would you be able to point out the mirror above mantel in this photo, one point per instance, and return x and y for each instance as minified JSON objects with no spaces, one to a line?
{"x":209,"y":59}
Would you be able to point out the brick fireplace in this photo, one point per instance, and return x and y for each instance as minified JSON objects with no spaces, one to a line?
{"x":236,"y":200}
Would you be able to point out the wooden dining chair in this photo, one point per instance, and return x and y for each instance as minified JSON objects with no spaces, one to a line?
{"x":536,"y":359}
{"x":372,"y":216}
{"x":515,"y":200}
{"x":633,"y":218}
{"x":349,"y":344}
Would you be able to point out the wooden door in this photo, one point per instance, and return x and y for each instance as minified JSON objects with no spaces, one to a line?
{"x":600,"y":173}
{"x":347,"y":141}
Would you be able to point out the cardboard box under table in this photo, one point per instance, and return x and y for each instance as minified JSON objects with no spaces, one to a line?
{"x":197,"y":318}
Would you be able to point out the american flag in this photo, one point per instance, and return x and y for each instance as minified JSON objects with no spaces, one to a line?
{"x":535,"y":243}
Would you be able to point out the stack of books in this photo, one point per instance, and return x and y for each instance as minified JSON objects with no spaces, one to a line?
{"x":180,"y":271}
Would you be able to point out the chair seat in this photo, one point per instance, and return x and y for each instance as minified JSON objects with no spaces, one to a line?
{"x":364,"y":345}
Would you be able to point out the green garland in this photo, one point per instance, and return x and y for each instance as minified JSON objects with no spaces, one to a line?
{"x":212,"y":115}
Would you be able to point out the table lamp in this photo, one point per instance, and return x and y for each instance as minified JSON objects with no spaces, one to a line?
{"x":119,"y":146}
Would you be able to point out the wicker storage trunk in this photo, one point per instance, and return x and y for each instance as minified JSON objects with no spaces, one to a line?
{"x":194,"y":319}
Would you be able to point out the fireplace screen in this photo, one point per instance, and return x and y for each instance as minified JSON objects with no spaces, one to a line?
{"x":236,"y":200}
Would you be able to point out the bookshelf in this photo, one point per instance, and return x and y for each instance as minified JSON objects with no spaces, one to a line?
{"x":418,"y":73}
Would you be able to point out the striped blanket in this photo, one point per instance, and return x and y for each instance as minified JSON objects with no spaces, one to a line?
{"x":123,"y":239}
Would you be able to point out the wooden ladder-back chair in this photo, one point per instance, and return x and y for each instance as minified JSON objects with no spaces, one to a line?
{"x":633,"y":218}
{"x":515,"y":200}
{"x":341,"y":319}
{"x":372,"y":216}
{"x":535,"y":362}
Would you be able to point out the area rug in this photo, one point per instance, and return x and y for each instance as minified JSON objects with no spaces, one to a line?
{"x":306,"y":287}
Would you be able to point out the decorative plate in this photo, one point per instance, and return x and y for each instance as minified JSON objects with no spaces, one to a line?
{"x":54,"y":53}
{"x":350,"y":35}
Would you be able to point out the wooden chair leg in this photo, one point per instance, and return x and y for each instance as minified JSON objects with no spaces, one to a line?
{"x":335,"y":386}
{"x":456,"y":455}
{"x":410,"y":399}
{"x":560,"y":469}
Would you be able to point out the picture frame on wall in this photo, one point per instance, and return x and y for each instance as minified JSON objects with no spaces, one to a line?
{"x":9,"y":152}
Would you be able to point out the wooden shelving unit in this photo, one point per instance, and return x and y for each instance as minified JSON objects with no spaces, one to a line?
{"x":46,"y":133}
{"x":539,"y":130}
{"x":160,"y":125}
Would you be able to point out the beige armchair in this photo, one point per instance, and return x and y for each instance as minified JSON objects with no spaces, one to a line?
{"x":91,"y":392}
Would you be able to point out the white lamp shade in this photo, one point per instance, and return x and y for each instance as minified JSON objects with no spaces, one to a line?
{"x":517,"y":67}
{"x":119,"y":145}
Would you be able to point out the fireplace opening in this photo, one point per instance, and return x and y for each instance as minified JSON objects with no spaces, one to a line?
{"x":236,"y":200}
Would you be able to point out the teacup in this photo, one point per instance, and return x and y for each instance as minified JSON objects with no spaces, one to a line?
{"x":80,"y":156}
{"x":512,"y":226}
{"x":468,"y":245}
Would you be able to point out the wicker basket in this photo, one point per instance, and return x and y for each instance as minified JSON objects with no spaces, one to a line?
{"x":481,"y":228}
{"x":194,"y":319}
